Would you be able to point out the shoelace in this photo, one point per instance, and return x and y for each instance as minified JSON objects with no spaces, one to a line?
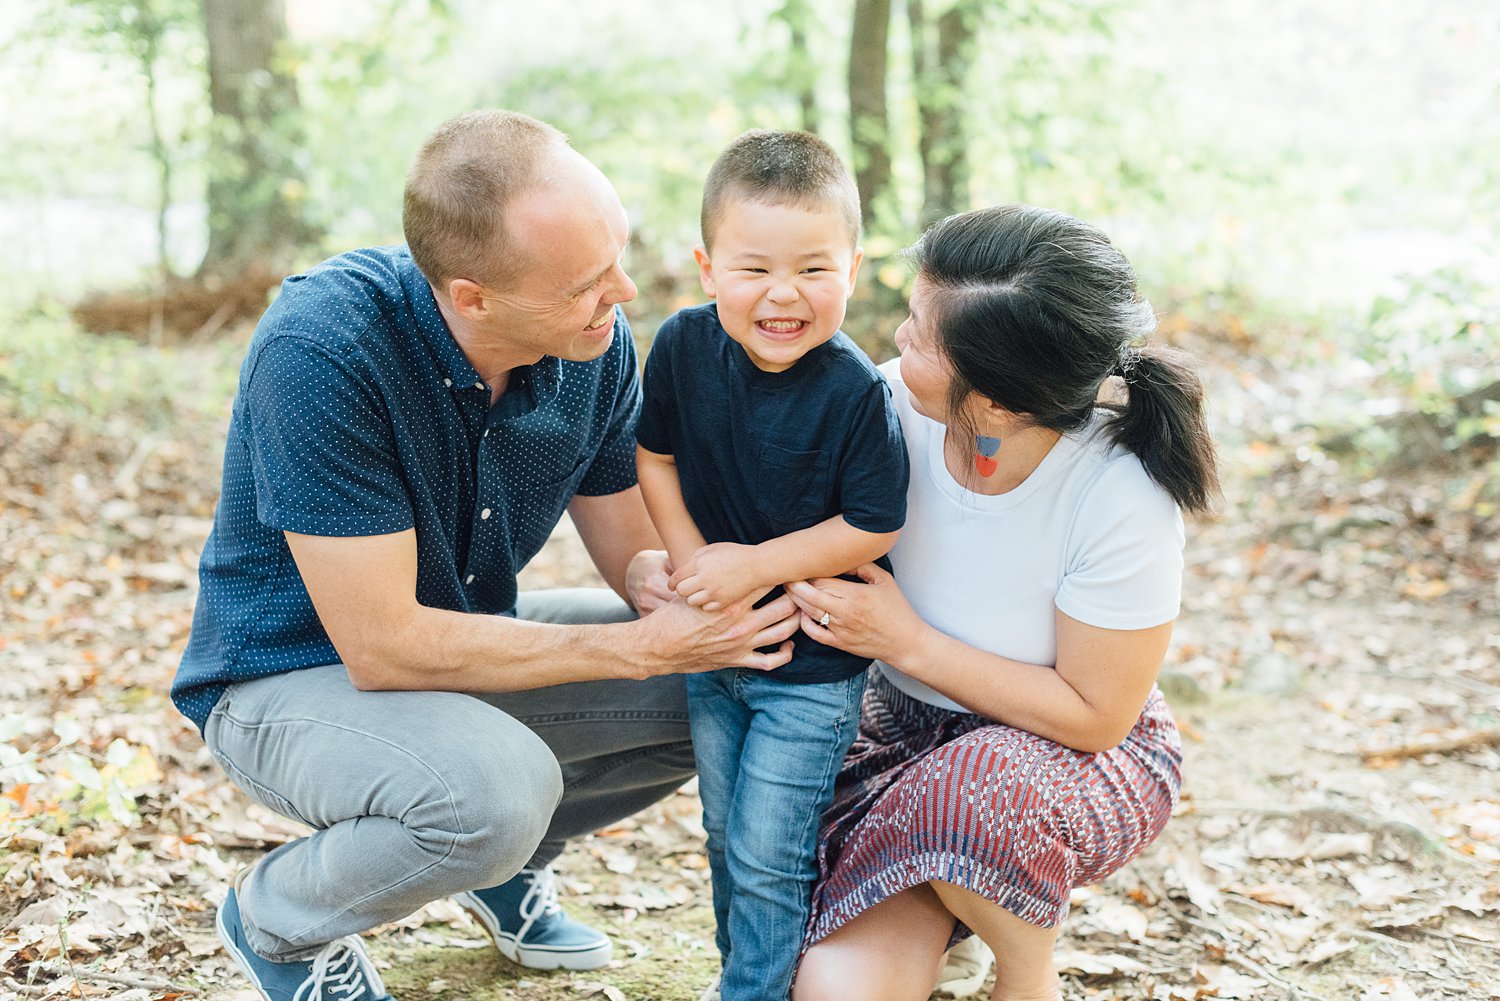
{"x":540,"y":901}
{"x":339,"y":970}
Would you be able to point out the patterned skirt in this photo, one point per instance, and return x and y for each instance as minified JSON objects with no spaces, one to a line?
{"x":927,"y":794}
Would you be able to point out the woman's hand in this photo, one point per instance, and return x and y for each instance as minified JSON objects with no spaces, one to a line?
{"x":870,"y":618}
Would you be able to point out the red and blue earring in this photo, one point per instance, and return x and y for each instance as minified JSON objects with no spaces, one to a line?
{"x":985,"y":449}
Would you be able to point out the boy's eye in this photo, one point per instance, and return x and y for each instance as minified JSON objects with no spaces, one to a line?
{"x":813,"y":271}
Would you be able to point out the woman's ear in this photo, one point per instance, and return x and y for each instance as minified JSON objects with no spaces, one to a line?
{"x":992,"y":418}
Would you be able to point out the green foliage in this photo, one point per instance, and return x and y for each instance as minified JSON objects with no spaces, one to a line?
{"x":1438,"y":338}
{"x":49,"y":369}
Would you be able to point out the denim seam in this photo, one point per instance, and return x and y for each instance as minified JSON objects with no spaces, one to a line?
{"x":627,"y":758}
{"x":544,"y":719}
{"x":447,"y":790}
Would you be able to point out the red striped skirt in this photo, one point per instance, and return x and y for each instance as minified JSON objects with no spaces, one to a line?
{"x":927,"y":794}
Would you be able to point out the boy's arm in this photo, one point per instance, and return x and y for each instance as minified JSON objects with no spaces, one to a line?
{"x":723,"y":572}
{"x":662,"y":491}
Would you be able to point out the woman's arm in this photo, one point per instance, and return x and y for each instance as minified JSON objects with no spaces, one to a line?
{"x":1089,"y":702}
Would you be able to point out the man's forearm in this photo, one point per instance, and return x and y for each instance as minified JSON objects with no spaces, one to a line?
{"x":439,"y":650}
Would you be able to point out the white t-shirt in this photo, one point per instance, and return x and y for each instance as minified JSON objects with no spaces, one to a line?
{"x":1088,"y":532}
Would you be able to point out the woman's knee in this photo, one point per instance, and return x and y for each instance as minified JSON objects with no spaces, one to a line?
{"x":832,"y":974}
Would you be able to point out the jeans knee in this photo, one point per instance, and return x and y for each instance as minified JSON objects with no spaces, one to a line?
{"x":501,"y":799}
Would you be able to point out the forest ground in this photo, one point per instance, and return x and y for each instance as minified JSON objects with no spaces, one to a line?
{"x":1335,"y":671}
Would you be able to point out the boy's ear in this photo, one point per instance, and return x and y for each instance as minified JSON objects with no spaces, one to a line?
{"x":705,"y":271}
{"x":859,"y":256}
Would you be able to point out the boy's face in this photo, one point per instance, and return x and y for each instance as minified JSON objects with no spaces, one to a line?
{"x":782,"y":275}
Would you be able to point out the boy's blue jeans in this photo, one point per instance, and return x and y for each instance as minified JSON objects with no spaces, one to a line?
{"x":768,"y":753}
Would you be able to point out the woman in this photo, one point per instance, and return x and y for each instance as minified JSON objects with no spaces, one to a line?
{"x":1013,"y":743}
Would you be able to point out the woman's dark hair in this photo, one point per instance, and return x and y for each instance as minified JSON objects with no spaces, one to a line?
{"x":1035,"y":309}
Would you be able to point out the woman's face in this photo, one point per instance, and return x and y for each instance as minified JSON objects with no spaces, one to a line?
{"x":924,"y":369}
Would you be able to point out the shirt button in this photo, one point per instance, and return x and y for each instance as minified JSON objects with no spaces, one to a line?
{"x":469,"y":579}
{"x":484,"y":515}
{"x":478,"y":385}
{"x":448,"y":383}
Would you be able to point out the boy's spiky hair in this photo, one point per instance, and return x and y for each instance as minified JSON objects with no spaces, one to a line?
{"x":779,"y":168}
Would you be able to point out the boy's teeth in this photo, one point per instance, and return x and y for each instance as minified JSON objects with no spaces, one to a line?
{"x":781,"y":326}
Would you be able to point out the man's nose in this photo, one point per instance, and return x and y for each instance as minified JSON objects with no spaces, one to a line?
{"x":624,"y":290}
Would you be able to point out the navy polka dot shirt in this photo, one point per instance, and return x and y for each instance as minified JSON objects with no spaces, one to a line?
{"x":357,"y":414}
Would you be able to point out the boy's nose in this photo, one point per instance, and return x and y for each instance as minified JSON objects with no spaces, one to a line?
{"x":783,"y":291}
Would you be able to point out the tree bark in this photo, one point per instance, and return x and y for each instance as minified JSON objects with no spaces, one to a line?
{"x":801,"y":69}
{"x":869,"y":122}
{"x":940,"y":67}
{"x":255,"y":217}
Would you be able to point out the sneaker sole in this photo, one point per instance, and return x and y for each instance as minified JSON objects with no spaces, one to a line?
{"x":544,"y":958}
{"x":236,"y":955}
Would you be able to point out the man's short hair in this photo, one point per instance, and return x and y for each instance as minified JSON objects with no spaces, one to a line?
{"x":779,"y":168}
{"x":453,"y":209}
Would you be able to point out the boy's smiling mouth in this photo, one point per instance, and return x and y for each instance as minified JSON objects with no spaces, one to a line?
{"x":779,"y":327}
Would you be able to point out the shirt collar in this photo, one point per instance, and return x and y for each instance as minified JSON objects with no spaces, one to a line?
{"x":454,"y":367}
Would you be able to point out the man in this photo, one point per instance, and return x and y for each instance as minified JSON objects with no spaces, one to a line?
{"x":408,"y":429}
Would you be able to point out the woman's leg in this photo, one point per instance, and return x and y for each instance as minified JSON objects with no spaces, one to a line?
{"x":1024,"y":970}
{"x":891,"y":952}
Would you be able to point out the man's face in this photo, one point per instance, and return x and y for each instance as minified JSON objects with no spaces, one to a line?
{"x":570,"y":237}
{"x":782,"y":275}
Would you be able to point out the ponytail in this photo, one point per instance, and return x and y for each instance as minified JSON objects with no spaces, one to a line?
{"x":1164,"y":424}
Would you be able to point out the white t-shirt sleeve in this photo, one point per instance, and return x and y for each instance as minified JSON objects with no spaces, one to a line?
{"x":1124,"y":557}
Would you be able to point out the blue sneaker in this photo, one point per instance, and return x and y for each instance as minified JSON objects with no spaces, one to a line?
{"x":341,"y":971}
{"x":523,"y":917}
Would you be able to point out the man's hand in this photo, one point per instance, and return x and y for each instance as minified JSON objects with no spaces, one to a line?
{"x":687,"y":639}
{"x":646,"y":581}
{"x":719,"y":574}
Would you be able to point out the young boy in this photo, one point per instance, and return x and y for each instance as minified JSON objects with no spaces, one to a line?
{"x":769,"y":452}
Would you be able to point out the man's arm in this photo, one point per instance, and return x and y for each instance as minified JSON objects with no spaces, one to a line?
{"x":364,"y":591}
{"x":615,"y":529}
{"x":724,"y":572}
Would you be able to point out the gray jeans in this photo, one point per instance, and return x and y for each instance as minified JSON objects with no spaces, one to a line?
{"x":417,"y":795}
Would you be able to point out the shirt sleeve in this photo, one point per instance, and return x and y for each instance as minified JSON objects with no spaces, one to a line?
{"x":321,"y":445}
{"x":873,"y":470}
{"x":613,"y":465}
{"x":659,"y":406}
{"x":1124,"y":563}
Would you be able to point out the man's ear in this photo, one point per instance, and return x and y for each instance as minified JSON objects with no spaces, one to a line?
{"x":705,"y":271}
{"x":467,"y":298}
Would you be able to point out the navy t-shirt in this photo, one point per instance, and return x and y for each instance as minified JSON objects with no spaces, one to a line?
{"x":762,"y":454}
{"x":358,"y":414}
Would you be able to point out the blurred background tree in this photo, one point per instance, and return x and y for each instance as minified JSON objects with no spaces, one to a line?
{"x":1316,"y":184}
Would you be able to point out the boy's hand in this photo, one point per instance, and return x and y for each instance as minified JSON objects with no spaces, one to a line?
{"x":718,"y":575}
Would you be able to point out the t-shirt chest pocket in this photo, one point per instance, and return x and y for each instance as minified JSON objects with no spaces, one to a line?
{"x":794,"y":488}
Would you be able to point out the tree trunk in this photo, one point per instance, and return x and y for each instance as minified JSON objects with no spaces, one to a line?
{"x":869,"y":124}
{"x":254,"y":210}
{"x":804,"y":75}
{"x":940,"y":69}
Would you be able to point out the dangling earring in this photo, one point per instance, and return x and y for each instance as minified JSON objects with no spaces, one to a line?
{"x":985,"y":449}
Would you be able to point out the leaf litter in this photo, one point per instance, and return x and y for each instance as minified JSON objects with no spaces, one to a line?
{"x":1336,"y":672}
